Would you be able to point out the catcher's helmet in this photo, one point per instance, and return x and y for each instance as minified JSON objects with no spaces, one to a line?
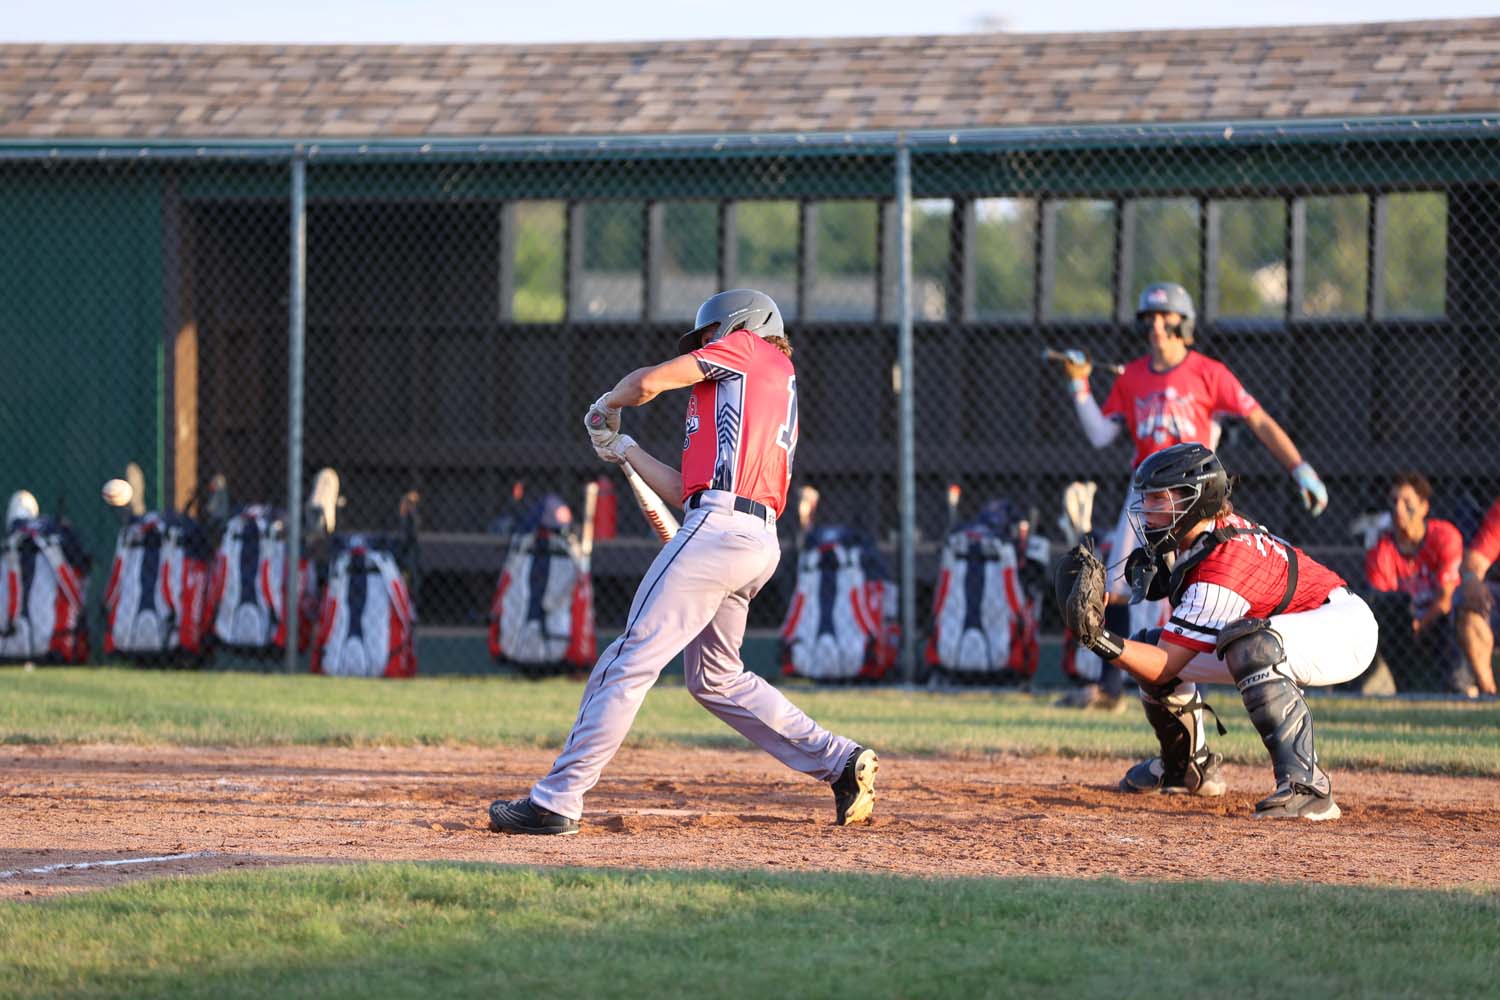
{"x":736,"y":309}
{"x":1198,"y":485}
{"x":1165,"y":297}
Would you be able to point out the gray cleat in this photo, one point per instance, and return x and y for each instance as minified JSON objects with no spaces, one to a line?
{"x":1297,"y":801}
{"x":1202,"y":778}
{"x":523,"y":816}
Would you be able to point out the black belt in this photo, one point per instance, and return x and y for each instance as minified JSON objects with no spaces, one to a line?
{"x":741,"y":504}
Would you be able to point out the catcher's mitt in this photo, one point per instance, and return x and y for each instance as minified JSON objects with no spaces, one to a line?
{"x":1081,"y":594}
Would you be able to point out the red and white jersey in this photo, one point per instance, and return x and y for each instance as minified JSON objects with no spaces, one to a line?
{"x":741,"y":431}
{"x":1486,"y":540}
{"x":1161,"y":409}
{"x":1244,"y":576}
{"x":1423,"y":574}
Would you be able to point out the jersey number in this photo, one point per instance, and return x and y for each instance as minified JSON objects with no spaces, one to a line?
{"x":786,"y":435}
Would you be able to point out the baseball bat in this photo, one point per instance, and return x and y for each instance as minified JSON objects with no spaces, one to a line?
{"x":658,"y":514}
{"x":954,"y":493}
{"x":590,"y":508}
{"x":1061,"y":357}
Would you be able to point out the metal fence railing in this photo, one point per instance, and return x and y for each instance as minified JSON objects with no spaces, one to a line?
{"x":459,"y":305}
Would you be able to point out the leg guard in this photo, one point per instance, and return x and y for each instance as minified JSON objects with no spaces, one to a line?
{"x":1257,"y":662}
{"x":1186,"y":764}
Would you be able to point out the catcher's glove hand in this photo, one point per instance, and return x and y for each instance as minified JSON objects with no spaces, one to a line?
{"x":1081,"y":595}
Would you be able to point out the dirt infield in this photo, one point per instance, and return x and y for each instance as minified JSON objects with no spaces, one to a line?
{"x":1000,"y":816}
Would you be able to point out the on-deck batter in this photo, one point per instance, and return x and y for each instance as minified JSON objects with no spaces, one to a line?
{"x":739,"y":442}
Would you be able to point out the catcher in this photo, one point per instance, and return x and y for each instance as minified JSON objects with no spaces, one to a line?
{"x":1248,"y":609}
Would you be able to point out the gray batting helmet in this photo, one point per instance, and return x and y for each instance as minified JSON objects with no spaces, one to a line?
{"x":736,"y":309}
{"x":1165,"y":297}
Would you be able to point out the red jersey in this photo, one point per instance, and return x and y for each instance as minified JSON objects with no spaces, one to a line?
{"x":1424,"y":573}
{"x":1161,"y":409}
{"x":741,"y":433}
{"x":1244,"y":576}
{"x":1486,"y":540}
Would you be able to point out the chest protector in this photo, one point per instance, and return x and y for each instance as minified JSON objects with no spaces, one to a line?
{"x":842,"y":623}
{"x":543,"y":611}
{"x":367,"y":616}
{"x":44,"y":575}
{"x":982,"y":622}
{"x":157,"y":600}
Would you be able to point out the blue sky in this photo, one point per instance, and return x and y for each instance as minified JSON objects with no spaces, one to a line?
{"x":322,"y":21}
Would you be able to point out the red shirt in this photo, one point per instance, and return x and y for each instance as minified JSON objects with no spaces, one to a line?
{"x":1486,"y":540}
{"x":1161,"y":409}
{"x":1432,"y":568}
{"x":1245,"y":576}
{"x":741,"y":432}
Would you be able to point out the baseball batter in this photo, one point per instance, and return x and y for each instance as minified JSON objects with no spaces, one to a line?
{"x":1248,"y":609}
{"x":738,"y":446}
{"x":1173,"y":394}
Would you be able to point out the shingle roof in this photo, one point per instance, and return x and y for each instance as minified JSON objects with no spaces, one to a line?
{"x":746,"y":85}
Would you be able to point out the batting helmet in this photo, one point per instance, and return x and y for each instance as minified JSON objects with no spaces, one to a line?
{"x":736,"y":309}
{"x":1165,"y":297}
{"x":1198,"y":485}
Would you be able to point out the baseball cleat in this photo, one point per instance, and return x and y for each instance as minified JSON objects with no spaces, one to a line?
{"x":523,"y":816}
{"x":1297,"y":801}
{"x":1150,"y":776}
{"x":854,"y":791}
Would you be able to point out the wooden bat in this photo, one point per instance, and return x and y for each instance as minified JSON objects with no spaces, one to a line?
{"x":1061,"y":357}
{"x":590,"y":508}
{"x":658,"y":514}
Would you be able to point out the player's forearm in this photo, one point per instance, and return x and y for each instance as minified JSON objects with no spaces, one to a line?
{"x":1276,"y":440}
{"x":1099,"y":429}
{"x":1474,"y":567}
{"x":631,"y":391}
{"x":1145,"y":662}
{"x":665,"y":480}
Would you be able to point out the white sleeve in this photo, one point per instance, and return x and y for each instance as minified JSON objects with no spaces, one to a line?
{"x":1101,"y":430}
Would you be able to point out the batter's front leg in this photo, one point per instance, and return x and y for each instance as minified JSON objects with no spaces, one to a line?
{"x":716,"y":676}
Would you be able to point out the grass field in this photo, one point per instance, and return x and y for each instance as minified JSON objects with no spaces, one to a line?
{"x":237,"y":709}
{"x":444,"y":929}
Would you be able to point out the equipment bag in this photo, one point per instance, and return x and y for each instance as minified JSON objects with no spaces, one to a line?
{"x":367,"y":619}
{"x":542,"y":617}
{"x":842,"y":622}
{"x":157,"y":602}
{"x":44,"y":575}
{"x":248,"y":590}
{"x":983,"y":626}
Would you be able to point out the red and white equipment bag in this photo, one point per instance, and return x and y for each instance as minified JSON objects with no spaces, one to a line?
{"x":157,"y":600}
{"x":543,"y":611}
{"x":842,"y":623}
{"x":365,"y":627}
{"x":44,"y":575}
{"x":248,"y":589}
{"x":982,"y":624}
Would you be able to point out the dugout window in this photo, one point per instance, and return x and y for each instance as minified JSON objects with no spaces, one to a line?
{"x":840,"y":252}
{"x":931,"y":258}
{"x":1004,"y":249}
{"x":533,"y":261}
{"x":1410,"y":260}
{"x":1330,"y":255}
{"x":766,"y":248}
{"x":1078,"y":266}
{"x":1159,"y":241}
{"x":606,"y":242}
{"x":684,"y":236}
{"x":1251,"y":272}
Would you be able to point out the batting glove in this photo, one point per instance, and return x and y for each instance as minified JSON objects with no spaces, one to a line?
{"x":614,"y":450}
{"x":601,"y":415}
{"x":1314,"y":493}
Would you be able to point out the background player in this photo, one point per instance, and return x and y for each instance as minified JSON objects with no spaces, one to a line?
{"x":1248,"y":609}
{"x":738,"y":446}
{"x":1477,"y":601}
{"x":1171,"y":395}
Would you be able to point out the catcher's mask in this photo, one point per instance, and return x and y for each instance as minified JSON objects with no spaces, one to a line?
{"x":736,"y":309}
{"x":1174,"y":489}
{"x":1167,"y":297}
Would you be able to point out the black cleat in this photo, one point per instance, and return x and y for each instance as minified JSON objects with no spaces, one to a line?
{"x":1203,"y":778}
{"x":523,"y":816}
{"x":854,"y":791}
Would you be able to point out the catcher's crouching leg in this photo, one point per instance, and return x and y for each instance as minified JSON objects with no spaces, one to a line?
{"x":1186,"y":765}
{"x":1257,"y":662}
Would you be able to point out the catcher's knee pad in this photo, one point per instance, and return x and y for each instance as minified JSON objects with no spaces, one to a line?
{"x":1186,"y":762}
{"x":1257,"y":662}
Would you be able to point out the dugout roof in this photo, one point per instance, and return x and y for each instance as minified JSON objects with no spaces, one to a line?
{"x":194,"y":92}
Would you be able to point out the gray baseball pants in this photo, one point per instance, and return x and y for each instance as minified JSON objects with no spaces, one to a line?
{"x":694,"y":600}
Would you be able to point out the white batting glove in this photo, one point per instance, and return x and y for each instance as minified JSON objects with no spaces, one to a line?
{"x":601,"y":415}
{"x":1314,"y":493}
{"x":614,"y":451}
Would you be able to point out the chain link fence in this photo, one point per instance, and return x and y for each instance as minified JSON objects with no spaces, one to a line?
{"x":465,"y":303}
